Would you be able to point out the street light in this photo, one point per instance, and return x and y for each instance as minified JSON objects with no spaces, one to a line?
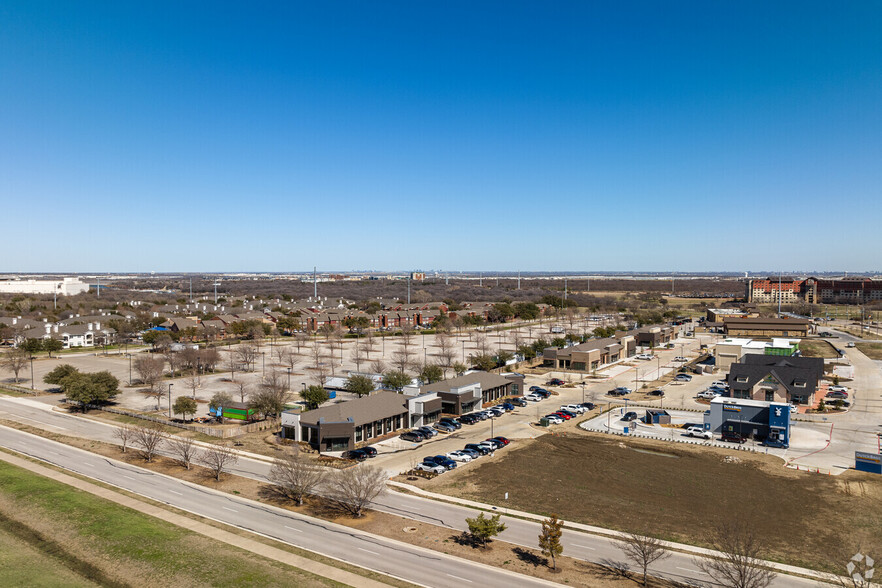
{"x":129,"y":355}
{"x":169,"y":400}
{"x":583,"y":392}
{"x":263,"y":361}
{"x":32,"y":372}
{"x":289,"y":378}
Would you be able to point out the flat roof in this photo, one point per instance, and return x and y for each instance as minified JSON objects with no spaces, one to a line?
{"x":744,"y":402}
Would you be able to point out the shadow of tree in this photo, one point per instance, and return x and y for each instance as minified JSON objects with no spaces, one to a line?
{"x":528,"y":557}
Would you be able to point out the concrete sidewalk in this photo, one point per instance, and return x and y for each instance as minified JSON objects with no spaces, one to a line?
{"x":256,"y":547}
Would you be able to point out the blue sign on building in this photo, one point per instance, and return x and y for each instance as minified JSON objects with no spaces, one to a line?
{"x":868,"y":462}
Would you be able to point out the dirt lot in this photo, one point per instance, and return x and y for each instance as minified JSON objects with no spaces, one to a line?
{"x":679,"y":492}
{"x":871,"y":350}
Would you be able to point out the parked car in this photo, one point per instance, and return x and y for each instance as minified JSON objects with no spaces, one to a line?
{"x":444,"y":427}
{"x":568,"y":412}
{"x":489,"y":445}
{"x":722,"y":391}
{"x":534,"y":388}
{"x":554,"y":419}
{"x":441,"y":460}
{"x":496,"y":442}
{"x":719,"y":384}
{"x":565,"y":416}
{"x":589,"y":405}
{"x":430,"y":467}
{"x":371,"y":451}
{"x":620,"y":391}
{"x":555,"y":382}
{"x":657,"y":392}
{"x":483,"y":450}
{"x":644,"y":356}
{"x":850,"y":344}
{"x":474,"y":454}
{"x":708,"y":394}
{"x":452,"y":422}
{"x":504,"y":440}
{"x":533,"y":397}
{"x":411,"y":436}
{"x":542,"y":392}
{"x":836,"y":388}
{"x":481,"y":415}
{"x":683,"y":378}
{"x":576,"y":408}
{"x":732,"y":437}
{"x":459,"y":456}
{"x":357,"y":454}
{"x":696,"y":431}
{"x":840,"y":395}
{"x":507,"y":406}
{"x":469,"y":419}
{"x":629,"y":416}
{"x":680,"y":358}
{"x":427,"y":432}
{"x":496,"y":412}
{"x":519,"y":402}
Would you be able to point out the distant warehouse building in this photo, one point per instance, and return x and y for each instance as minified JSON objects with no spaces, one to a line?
{"x":63,"y":287}
{"x":766,"y":327}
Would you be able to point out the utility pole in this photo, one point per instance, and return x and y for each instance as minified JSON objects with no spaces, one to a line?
{"x":408,"y":288}
{"x":519,"y":280}
{"x":191,"y":288}
{"x":481,"y":279}
{"x":779,"y":294}
{"x":565,"y":288}
{"x":215,"y":292}
{"x":314,"y":284}
{"x":99,"y":286}
{"x":446,"y":279}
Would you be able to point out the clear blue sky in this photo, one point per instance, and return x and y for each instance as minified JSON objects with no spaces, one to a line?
{"x":570,"y":135}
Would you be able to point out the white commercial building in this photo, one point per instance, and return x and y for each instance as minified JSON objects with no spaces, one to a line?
{"x":63,"y":287}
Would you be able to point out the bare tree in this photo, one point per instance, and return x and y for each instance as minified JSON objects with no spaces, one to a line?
{"x":369,"y":343}
{"x":355,"y":488}
{"x":300,"y":340}
{"x":15,"y":360}
{"x":273,"y":394}
{"x":218,"y":458}
{"x":446,"y":351}
{"x":149,"y":438}
{"x":407,"y":335}
{"x":209,"y":358}
{"x":247,"y":355}
{"x":401,"y":360}
{"x":357,"y":356}
{"x":125,"y":434}
{"x":279,"y":351}
{"x":193,"y":382}
{"x":296,"y":476}
{"x":378,"y":366}
{"x":232,"y":362}
{"x":643,"y":551}
{"x":740,"y":564}
{"x":481,"y":343}
{"x":150,"y":372}
{"x":183,"y":448}
{"x":173,"y":360}
{"x":242,"y":388}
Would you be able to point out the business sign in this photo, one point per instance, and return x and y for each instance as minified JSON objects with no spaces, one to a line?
{"x":868,"y":462}
{"x":731,"y":408}
{"x":868,"y":457}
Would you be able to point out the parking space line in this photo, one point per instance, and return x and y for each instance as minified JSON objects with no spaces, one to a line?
{"x":229,"y":509}
{"x":692,"y":571}
{"x":458,"y":578}
{"x":584,"y":547}
{"x":293,"y":529}
{"x":368,"y":551}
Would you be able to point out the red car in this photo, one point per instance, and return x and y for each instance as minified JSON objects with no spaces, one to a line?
{"x":563,"y":415}
{"x":555,"y":382}
{"x":502,"y":440}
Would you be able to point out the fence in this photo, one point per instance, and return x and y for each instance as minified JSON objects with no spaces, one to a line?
{"x":222,"y":432}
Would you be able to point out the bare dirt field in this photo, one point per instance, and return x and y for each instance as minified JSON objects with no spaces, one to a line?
{"x":871,"y":350}
{"x":679,"y":492}
{"x":818,"y":348}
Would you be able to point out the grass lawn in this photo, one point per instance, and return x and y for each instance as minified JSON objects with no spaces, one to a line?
{"x":817,"y":348}
{"x":871,"y":350}
{"x":678,"y":492}
{"x":114,"y":545}
{"x":19,"y":559}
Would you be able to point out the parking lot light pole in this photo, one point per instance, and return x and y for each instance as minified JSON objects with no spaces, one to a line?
{"x":289,"y":379}
{"x":583,"y":392}
{"x":129,"y":355}
{"x":169,"y":400}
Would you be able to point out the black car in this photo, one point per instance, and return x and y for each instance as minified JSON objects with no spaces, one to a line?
{"x":452,"y":422}
{"x":657,"y":393}
{"x":542,"y":392}
{"x":732,"y":436}
{"x":468,"y":419}
{"x":589,"y":405}
{"x":370,"y":451}
{"x":357,"y":454}
{"x":478,"y":448}
{"x":630,"y":416}
{"x":411,"y":436}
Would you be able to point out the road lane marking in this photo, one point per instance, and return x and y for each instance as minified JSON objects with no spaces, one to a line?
{"x":458,"y":578}
{"x":229,"y":509}
{"x":129,"y":478}
{"x":293,"y":529}
{"x":86,"y":463}
{"x":584,"y":547}
{"x":692,"y":571}
{"x":41,"y":422}
{"x":175,"y":492}
{"x":368,"y":551}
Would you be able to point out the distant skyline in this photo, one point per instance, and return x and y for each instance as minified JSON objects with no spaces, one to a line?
{"x":617,"y":136}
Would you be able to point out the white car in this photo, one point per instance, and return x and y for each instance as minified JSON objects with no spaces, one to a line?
{"x":680,"y":358}
{"x":719,"y":384}
{"x":793,"y":409}
{"x":645,"y":356}
{"x":573,"y":408}
{"x":837,"y":388}
{"x":708,"y":394}
{"x":438,"y":469}
{"x":553,"y":419}
{"x":488,"y":445}
{"x":699,"y":432}
{"x":532,"y":397}
{"x":459,"y":456}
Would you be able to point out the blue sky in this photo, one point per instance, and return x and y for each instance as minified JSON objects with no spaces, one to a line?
{"x":687,"y":136}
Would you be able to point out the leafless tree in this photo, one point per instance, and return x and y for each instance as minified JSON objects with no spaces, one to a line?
{"x":173,"y":360}
{"x":402,"y":360}
{"x":148,"y":438}
{"x":183,"y":448}
{"x":643,"y":551}
{"x":370,"y":343}
{"x":407,"y":335}
{"x":232,"y":362}
{"x":290,"y":359}
{"x":218,"y":458}
{"x":193,"y":382}
{"x":15,"y":360}
{"x":378,"y":366}
{"x":355,"y":488}
{"x":247,"y":355}
{"x":189,"y":358}
{"x":209,"y":358}
{"x":125,"y":434}
{"x":296,"y":476}
{"x":150,"y":372}
{"x":446,"y":351}
{"x":242,"y":388}
{"x":300,"y":340}
{"x":741,"y":564}
{"x":481,"y":343}
{"x":357,"y":356}
{"x":273,"y":394}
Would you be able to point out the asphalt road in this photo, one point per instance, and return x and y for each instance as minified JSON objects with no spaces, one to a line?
{"x":370,"y":551}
